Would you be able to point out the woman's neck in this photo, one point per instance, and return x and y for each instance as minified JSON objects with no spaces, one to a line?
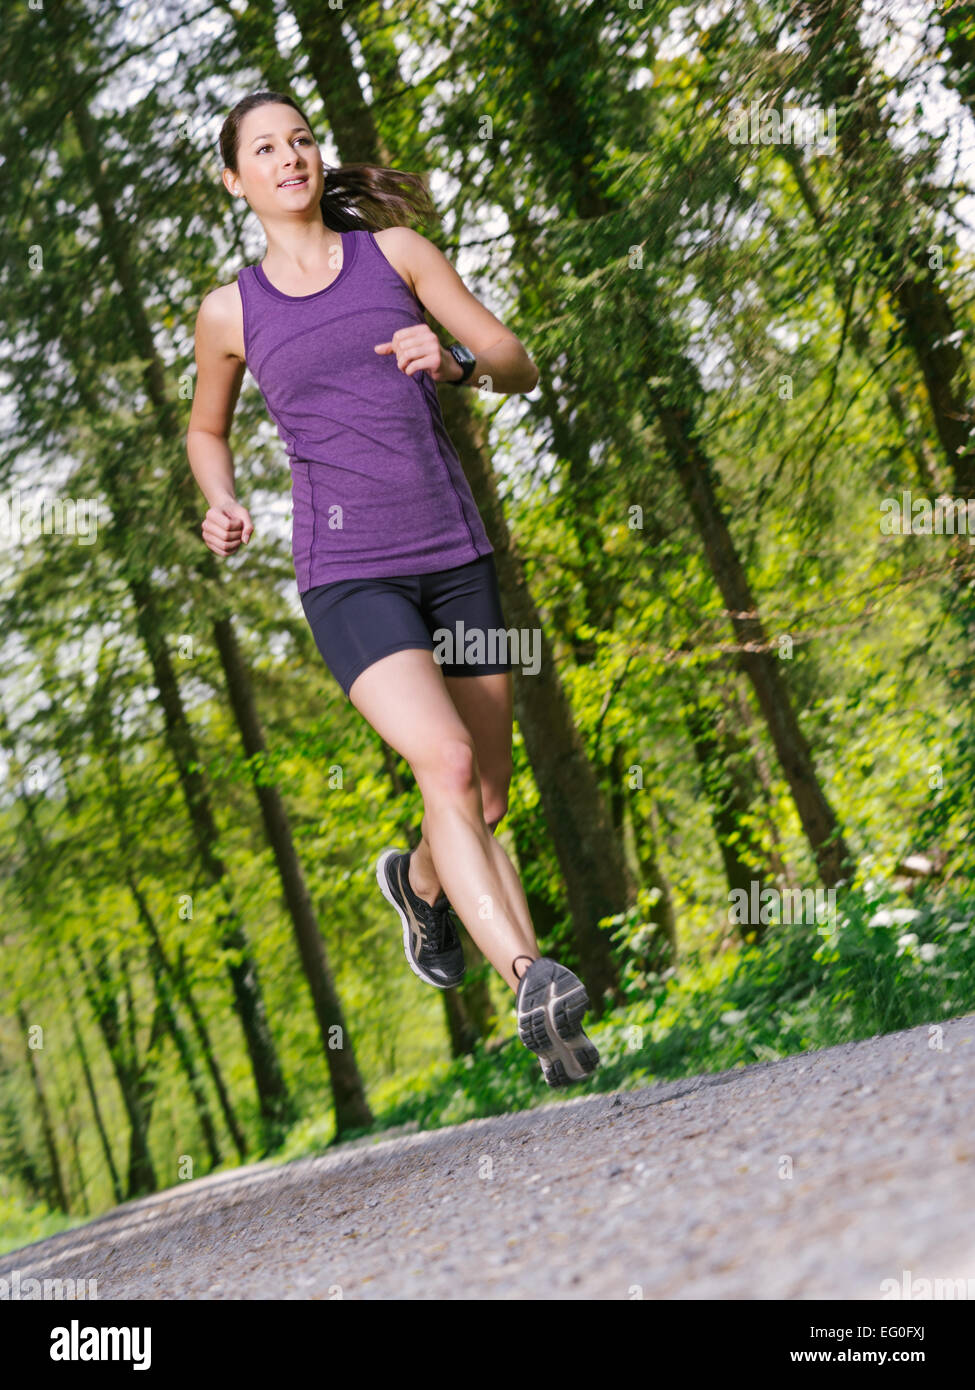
{"x":303,"y":250}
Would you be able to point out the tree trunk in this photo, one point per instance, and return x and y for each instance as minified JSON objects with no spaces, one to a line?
{"x":781,"y":869}
{"x":19,"y":1162}
{"x":182,"y":987}
{"x":96,"y":1109}
{"x":275,"y":1104}
{"x":724,"y":760}
{"x":160,"y":978}
{"x":348,"y":1092}
{"x":176,"y":978}
{"x":71,"y":1125}
{"x":845,"y":80}
{"x":57,"y":1193}
{"x":661,"y":912}
{"x":924,"y":464}
{"x":546,"y":916}
{"x":101,"y":996}
{"x":103,"y":1001}
{"x":763,"y":668}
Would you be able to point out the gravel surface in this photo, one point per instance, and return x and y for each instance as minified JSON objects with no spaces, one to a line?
{"x":678,"y":1190}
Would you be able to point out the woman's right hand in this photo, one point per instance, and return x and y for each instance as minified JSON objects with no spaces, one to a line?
{"x":227,"y":527}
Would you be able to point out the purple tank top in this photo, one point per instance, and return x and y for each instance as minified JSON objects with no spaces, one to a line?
{"x":376,"y":484}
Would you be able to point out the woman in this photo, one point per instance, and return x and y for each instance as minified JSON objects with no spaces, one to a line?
{"x":389,"y":547}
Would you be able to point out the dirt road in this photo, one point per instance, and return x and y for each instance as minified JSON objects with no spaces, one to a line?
{"x":819,"y":1176}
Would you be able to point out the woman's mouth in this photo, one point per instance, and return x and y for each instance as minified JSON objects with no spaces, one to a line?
{"x":294,"y":183}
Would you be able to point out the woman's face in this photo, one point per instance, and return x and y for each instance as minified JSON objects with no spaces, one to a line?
{"x":278,"y":162}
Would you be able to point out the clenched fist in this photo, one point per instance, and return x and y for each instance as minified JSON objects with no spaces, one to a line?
{"x":227,"y":527}
{"x":418,"y":349}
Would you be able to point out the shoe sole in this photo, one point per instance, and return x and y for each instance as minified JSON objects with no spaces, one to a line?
{"x":550,"y":1013}
{"x":387,"y":893}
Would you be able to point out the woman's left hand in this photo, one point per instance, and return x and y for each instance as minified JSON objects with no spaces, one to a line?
{"x":417,"y":349}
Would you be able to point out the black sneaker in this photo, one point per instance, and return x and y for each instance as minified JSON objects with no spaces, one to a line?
{"x":550,"y":1003}
{"x":430,"y":937}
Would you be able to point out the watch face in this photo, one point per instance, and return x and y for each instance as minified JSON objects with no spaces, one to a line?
{"x":464,"y":355}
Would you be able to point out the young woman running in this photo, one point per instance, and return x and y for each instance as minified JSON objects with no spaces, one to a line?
{"x":388,"y":544}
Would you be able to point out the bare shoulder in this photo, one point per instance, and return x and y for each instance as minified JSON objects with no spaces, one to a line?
{"x":221,"y":321}
{"x":404,"y":249}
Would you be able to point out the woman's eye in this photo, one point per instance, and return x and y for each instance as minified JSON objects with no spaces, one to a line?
{"x":303,"y":138}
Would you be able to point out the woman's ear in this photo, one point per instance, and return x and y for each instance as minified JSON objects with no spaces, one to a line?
{"x":227,"y":182}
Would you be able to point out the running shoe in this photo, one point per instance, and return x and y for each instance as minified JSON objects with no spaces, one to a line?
{"x":550,"y":1003}
{"x":430,"y":937}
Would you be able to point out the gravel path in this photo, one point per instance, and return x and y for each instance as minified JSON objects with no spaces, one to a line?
{"x":678,"y":1190}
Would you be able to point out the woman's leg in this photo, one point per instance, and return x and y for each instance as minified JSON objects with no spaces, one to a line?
{"x":485,"y":704}
{"x":405,"y":698}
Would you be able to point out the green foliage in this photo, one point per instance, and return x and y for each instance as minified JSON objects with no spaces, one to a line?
{"x":22,"y":1223}
{"x":888,"y":967}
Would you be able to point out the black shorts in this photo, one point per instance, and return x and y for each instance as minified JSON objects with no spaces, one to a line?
{"x":357,"y":621}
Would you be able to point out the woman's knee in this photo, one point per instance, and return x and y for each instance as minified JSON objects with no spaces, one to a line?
{"x":449,"y":771}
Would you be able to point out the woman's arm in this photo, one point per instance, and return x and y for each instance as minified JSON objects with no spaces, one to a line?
{"x":219,"y":374}
{"x":502,"y":364}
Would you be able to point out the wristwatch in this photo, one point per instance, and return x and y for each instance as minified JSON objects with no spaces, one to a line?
{"x":466,"y":360}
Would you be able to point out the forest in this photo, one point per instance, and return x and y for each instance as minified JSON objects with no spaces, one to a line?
{"x":736,"y":517}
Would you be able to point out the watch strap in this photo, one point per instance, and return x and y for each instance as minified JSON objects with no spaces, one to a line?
{"x":465,"y":363}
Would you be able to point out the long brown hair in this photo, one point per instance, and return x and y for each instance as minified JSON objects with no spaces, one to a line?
{"x":356,"y":195}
